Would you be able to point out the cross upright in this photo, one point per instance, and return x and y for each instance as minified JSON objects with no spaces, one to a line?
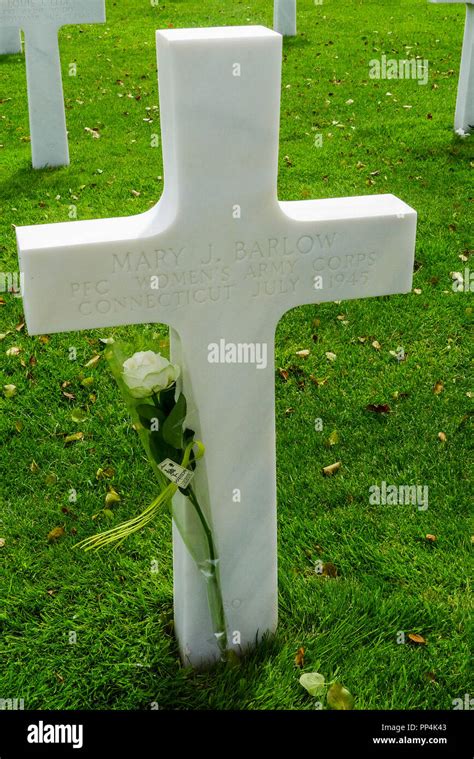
{"x":40,"y":21}
{"x":464,"y":116}
{"x":230,"y":260}
{"x":284,"y":17}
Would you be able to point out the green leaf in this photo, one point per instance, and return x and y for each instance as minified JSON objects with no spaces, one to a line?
{"x":160,"y":450}
{"x":148,"y":413}
{"x":173,"y":426}
{"x":313,"y":682}
{"x":167,"y":400}
{"x":78,"y":415}
{"x":340,"y":698}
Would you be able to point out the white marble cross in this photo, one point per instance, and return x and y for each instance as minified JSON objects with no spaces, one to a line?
{"x":284,"y":17}
{"x":40,"y":21}
{"x":464,"y":117}
{"x":10,"y":40}
{"x":230,"y":260}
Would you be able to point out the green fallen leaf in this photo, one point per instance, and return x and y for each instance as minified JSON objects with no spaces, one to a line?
{"x":313,"y":682}
{"x":340,"y":698}
{"x":78,"y":415}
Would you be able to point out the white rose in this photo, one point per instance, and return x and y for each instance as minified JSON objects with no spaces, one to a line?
{"x":147,"y":372}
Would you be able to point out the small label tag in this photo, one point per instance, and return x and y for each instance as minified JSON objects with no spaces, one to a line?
{"x":176,"y":473}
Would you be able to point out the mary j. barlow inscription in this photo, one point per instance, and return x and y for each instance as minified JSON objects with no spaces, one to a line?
{"x":159,"y":280}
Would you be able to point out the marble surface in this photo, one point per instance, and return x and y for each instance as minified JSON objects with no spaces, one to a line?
{"x":464,"y":115}
{"x":40,"y":23}
{"x":231,"y":260}
{"x":10,"y":40}
{"x":284,"y":17}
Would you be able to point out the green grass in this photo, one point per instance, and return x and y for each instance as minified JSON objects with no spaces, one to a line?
{"x":390,"y":578}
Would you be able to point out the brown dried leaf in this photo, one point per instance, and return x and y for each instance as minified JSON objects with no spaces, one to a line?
{"x":430,"y":538}
{"x":93,"y":362}
{"x":107,"y":472}
{"x":418,"y":640}
{"x":299,"y":658}
{"x":376,"y":345}
{"x":56,"y":534}
{"x":14,"y":351}
{"x":438,"y":388}
{"x":442,"y":437}
{"x":70,"y":396}
{"x":34,"y":467}
{"x":44,"y":339}
{"x":332,"y":468}
{"x":378,"y":408}
{"x":329,"y":569}
{"x":284,"y":374}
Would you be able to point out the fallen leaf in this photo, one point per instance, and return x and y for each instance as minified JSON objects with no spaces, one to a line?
{"x":9,"y":391}
{"x":442,"y":437}
{"x":284,"y":374}
{"x":87,"y":382}
{"x":332,"y":468}
{"x":438,"y":388}
{"x":419,"y":640}
{"x":112,"y":497}
{"x":78,"y":415}
{"x":70,"y":396}
{"x":362,"y":339}
{"x":56,"y":534}
{"x":289,"y":411}
{"x":330,"y":356}
{"x":313,"y":682}
{"x":19,"y":327}
{"x":329,"y":569}
{"x":14,"y":351}
{"x":93,"y":362}
{"x":107,"y":472}
{"x":2,"y":542}
{"x":44,"y":339}
{"x":51,"y":479}
{"x":376,"y":345}
{"x":94,"y":132}
{"x":333,"y":438}
{"x":340,"y":698}
{"x":430,"y":538}
{"x":303,"y":354}
{"x":34,"y":467}
{"x":59,"y":677}
{"x":299,"y":658}
{"x":378,"y":408}
{"x":74,"y":438}
{"x":3,"y":335}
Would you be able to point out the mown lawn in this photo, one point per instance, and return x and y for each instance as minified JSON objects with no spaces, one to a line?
{"x":378,"y":136}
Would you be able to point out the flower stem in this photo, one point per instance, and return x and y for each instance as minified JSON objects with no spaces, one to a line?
{"x":216,"y":604}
